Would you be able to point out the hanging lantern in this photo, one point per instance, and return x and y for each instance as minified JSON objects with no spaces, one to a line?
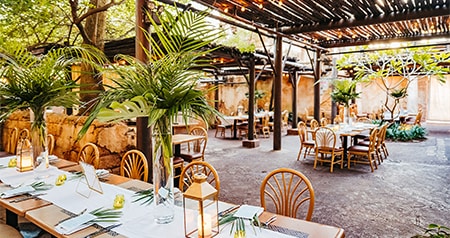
{"x":200,"y":209}
{"x":24,"y":156}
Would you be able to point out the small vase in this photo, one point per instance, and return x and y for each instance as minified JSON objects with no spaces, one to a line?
{"x":163,"y":172}
{"x":347,"y":117}
{"x":39,"y":140}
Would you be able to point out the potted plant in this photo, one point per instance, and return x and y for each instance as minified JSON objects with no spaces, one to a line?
{"x":343,"y":93}
{"x":160,"y":89}
{"x":37,"y":82}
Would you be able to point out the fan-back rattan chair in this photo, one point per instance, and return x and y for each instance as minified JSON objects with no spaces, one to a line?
{"x":89,"y":154}
{"x":323,"y":121}
{"x":11,"y":144}
{"x":325,"y":144}
{"x":196,"y":149}
{"x":9,"y":232}
{"x":356,"y":152}
{"x":308,"y":145}
{"x":195,"y":167}
{"x":134,"y":165}
{"x":285,"y":191}
{"x":50,"y":143}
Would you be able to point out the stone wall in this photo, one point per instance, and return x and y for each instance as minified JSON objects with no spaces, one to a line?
{"x":113,"y":140}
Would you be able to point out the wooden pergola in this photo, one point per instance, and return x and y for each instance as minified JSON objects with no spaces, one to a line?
{"x":320,"y":25}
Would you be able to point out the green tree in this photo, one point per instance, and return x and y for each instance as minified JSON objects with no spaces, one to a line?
{"x":409,"y":64}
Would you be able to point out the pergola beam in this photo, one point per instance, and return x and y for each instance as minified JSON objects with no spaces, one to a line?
{"x":383,"y":18}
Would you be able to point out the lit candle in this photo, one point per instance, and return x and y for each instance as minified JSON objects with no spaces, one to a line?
{"x":206,"y":228}
{"x":24,"y":163}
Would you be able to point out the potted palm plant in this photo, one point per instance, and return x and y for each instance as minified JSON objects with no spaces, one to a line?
{"x":37,"y":82}
{"x":343,"y":93}
{"x":160,"y":89}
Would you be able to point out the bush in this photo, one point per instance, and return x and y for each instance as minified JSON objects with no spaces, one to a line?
{"x":405,"y":132}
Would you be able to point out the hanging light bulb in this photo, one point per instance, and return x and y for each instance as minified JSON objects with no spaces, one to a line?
{"x":260,"y":6}
{"x":225,"y":10}
{"x":243,"y":9}
{"x":280,"y":2}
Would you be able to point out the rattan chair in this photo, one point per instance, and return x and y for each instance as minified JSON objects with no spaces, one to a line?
{"x":313,"y":125}
{"x":134,"y":165}
{"x":324,"y":121}
{"x":196,"y":149}
{"x":187,"y":175}
{"x":89,"y":154}
{"x":265,"y":129}
{"x":9,"y":232}
{"x":222,"y":127}
{"x":50,"y":143}
{"x":357,"y":153}
{"x":11,"y":143}
{"x":284,"y":191}
{"x":308,"y":145}
{"x":325,"y":144}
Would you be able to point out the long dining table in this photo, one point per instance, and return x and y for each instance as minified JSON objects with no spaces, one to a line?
{"x":62,"y":202}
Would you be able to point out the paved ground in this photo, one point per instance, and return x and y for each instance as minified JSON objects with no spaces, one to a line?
{"x":408,"y":191}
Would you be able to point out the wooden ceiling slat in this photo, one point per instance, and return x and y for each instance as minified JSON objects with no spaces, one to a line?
{"x":331,"y":23}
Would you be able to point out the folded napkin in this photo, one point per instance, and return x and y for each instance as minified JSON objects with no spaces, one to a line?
{"x":75,"y":224}
{"x":248,"y":211}
{"x":52,"y":158}
{"x":102,"y":173}
{"x":17,"y":191}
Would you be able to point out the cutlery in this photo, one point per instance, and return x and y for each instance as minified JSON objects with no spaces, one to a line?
{"x":228,"y":211}
{"x":270,"y":220}
{"x":70,"y":217}
{"x":103,"y":230}
{"x":28,"y":197}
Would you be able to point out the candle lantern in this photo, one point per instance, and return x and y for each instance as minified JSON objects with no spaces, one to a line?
{"x":24,"y":156}
{"x":200,"y":209}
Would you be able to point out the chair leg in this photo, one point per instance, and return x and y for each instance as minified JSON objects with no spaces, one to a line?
{"x":332,"y":163}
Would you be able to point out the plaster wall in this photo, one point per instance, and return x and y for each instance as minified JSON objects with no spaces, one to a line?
{"x":113,"y":140}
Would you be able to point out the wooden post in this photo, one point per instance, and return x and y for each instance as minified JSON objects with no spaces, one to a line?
{"x":143,"y":132}
{"x":317,"y":86}
{"x":251,"y":142}
{"x":277,"y":94}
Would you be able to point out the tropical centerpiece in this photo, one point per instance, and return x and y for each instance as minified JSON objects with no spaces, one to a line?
{"x":343,"y":93}
{"x":161,"y":88}
{"x":30,"y":82}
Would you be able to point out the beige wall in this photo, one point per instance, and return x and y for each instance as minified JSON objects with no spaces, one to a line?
{"x":113,"y":140}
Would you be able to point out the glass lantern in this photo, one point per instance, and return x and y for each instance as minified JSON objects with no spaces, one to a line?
{"x":24,"y":156}
{"x":200,"y":209}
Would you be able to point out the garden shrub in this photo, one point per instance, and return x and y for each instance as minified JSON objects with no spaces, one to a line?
{"x":405,"y":132}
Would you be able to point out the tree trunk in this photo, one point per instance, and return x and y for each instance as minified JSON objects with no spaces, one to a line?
{"x":95,"y":29}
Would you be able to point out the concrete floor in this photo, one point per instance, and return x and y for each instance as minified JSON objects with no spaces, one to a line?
{"x":408,"y":191}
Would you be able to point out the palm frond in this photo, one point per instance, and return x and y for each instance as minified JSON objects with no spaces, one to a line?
{"x":167,"y":83}
{"x":39,"y":82}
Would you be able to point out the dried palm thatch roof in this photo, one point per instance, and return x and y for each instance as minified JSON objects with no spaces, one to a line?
{"x":337,"y":23}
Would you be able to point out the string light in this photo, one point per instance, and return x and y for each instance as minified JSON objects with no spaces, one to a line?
{"x":243,"y":9}
{"x":260,"y":6}
{"x":280,"y":2}
{"x":225,"y":10}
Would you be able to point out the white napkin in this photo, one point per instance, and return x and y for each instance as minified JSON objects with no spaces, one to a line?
{"x":17,"y":191}
{"x":248,"y":211}
{"x":102,"y":173}
{"x":75,"y":224}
